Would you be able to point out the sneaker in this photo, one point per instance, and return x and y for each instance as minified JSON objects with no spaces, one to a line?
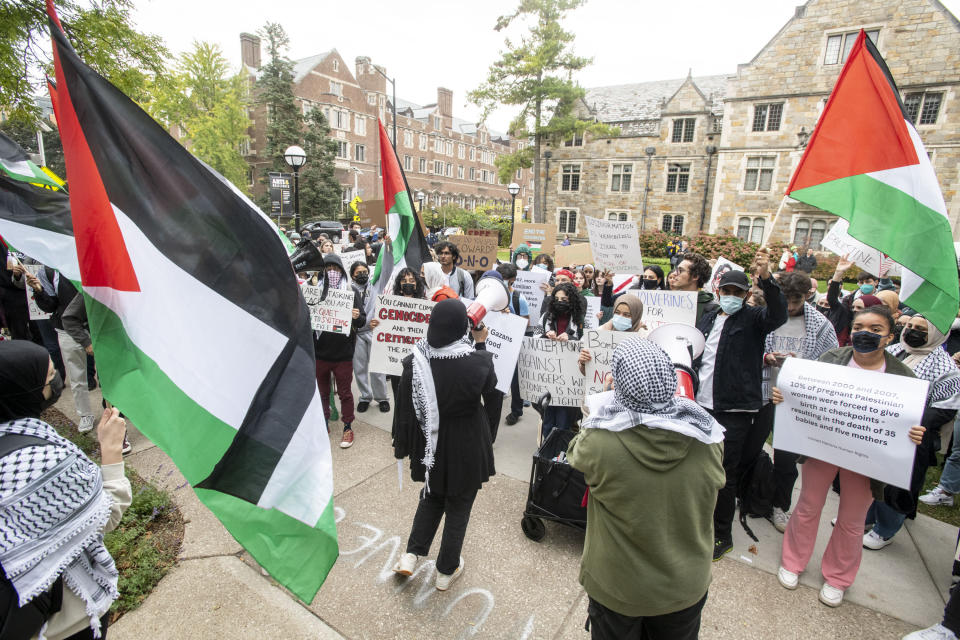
{"x":831,"y":596}
{"x":937,"y":497}
{"x":875,"y":541}
{"x":86,"y":424}
{"x":721,"y":548}
{"x":406,"y":565}
{"x":779,"y":519}
{"x":363,"y":405}
{"x":788,"y":579}
{"x":126,"y":446}
{"x":511,"y":419}
{"x":444,"y":581}
{"x":347,"y":441}
{"x":936,"y":632}
{"x":384,"y":406}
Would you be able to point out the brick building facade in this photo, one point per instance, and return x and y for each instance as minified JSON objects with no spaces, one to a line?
{"x":449,"y":159}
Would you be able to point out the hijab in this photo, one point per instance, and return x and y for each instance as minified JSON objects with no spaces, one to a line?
{"x":23,"y":375}
{"x":435,"y":278}
{"x":646,"y":384}
{"x":915,"y":355}
{"x":636,"y":312}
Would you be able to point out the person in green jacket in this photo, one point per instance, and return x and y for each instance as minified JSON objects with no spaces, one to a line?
{"x":647,"y":554}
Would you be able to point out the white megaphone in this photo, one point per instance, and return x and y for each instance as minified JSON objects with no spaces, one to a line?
{"x":683,"y":345}
{"x":491,"y":295}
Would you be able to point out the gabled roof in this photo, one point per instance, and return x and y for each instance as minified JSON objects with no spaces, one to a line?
{"x":304,"y":66}
{"x":644,"y":100}
{"x":423,"y":113}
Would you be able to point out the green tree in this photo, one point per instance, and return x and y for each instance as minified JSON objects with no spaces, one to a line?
{"x":536,"y":75}
{"x":320,"y":191}
{"x":103,"y":34}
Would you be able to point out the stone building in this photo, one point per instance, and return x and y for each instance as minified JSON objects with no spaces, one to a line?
{"x":773,"y":102}
{"x":448,"y":159}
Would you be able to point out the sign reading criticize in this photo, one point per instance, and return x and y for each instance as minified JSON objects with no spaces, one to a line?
{"x":476,"y":252}
{"x":402,"y":323}
{"x":667,"y":307}
{"x":615,"y":245}
{"x":601,"y":344}
{"x":334,"y":313}
{"x":550,"y":366}
{"x":853,"y":418}
{"x":503,"y":342}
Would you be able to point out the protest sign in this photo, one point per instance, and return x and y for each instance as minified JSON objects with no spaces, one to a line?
{"x":476,"y":252}
{"x":721,"y":267}
{"x":853,"y":418}
{"x":667,"y":307}
{"x":615,"y":245}
{"x":528,"y":284}
{"x":483,"y":232}
{"x":535,"y":236}
{"x":504,"y":342}
{"x":550,"y":366}
{"x":372,"y":213}
{"x":348,"y":258}
{"x":334,"y":313}
{"x":601,"y":344}
{"x":574,"y":254}
{"x":591,"y":321}
{"x":35,"y":312}
{"x":402,"y":322}
{"x":839,"y":241}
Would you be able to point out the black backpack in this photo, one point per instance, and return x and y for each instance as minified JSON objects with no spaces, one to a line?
{"x":755,"y":491}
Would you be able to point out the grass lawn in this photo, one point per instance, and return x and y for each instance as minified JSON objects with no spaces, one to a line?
{"x":950,"y":515}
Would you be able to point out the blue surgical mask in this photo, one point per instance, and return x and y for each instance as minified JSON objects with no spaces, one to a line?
{"x":866,"y":289}
{"x":620,"y":323}
{"x":731,"y":304}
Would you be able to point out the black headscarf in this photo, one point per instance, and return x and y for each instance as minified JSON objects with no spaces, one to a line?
{"x":23,"y":374}
{"x":448,"y":323}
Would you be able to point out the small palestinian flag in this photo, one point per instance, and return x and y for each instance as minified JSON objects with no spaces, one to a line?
{"x":201,"y":334}
{"x":409,"y":246}
{"x":866,"y":164}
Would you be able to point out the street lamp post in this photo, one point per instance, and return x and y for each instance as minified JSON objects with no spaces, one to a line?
{"x":296,"y":157}
{"x":421,"y":196}
{"x":646,"y":190}
{"x":513,"y":188}
{"x":393,"y":83}
{"x":706,"y":188}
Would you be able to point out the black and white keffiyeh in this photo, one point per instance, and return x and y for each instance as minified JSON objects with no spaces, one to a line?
{"x":941,"y":372}
{"x":52,"y":512}
{"x":644,"y":394}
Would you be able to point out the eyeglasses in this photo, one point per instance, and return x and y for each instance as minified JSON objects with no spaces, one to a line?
{"x":445,"y":253}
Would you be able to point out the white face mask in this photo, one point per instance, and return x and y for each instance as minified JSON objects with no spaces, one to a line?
{"x":522,"y":264}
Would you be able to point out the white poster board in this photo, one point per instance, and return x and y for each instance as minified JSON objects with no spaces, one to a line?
{"x":528,"y":283}
{"x":333,"y":314}
{"x":503,"y":342}
{"x":666,"y":307}
{"x":601,"y":344}
{"x":591,"y":321}
{"x":550,"y":366}
{"x":840,"y":242}
{"x":615,"y":245}
{"x":36,"y":313}
{"x":721,"y":267}
{"x":402,"y":322}
{"x":853,"y":418}
{"x":348,"y":258}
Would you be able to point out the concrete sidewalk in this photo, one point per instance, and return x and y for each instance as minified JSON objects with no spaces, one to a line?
{"x":512,"y":587}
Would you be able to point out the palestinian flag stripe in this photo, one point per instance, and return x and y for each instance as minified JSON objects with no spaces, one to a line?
{"x":206,"y":335}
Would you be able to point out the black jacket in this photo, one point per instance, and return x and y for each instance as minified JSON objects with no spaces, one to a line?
{"x":738,"y":371}
{"x":336,"y":347}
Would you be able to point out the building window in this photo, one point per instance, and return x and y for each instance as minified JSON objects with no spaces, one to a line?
{"x":460,"y":171}
{"x":408,"y":138}
{"x":244,"y":147}
{"x":437,"y":145}
{"x":449,"y":150}
{"x":341,"y":120}
{"x":449,"y":170}
{"x":483,"y":175}
{"x":473,"y":173}
{"x":575,"y":141}
{"x":678,"y":177}
{"x":437,"y":123}
{"x":840,"y":44}
{"x":343,"y":150}
{"x":250,"y":176}
{"x":567,"y":221}
{"x":759,"y":173}
{"x":336,"y":65}
{"x":672,"y":224}
{"x":570,"y":180}
{"x":473,"y":154}
{"x":766,"y":117}
{"x":372,"y":99}
{"x":423,"y":142}
{"x":407,"y":163}
{"x":750,"y":229}
{"x":618,"y":216}
{"x":621,"y":175}
{"x":461,"y":151}
{"x":517,"y":175}
{"x":423,"y":165}
{"x":923,"y":108}
{"x":438,"y":167}
{"x":336,"y":88}
{"x":360,"y":126}
{"x":360,"y":152}
{"x":683,"y":129}
{"x":809,"y":233}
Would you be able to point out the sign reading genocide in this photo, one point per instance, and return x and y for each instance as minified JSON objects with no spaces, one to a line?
{"x":550,"y":366}
{"x":615,"y":245}
{"x":402,"y":322}
{"x":503,"y":342}
{"x":35,"y":312}
{"x":667,"y":307}
{"x":334,"y":313}
{"x":372,"y":213}
{"x":535,"y":236}
{"x":281,"y":193}
{"x":853,"y":418}
{"x":476,"y":252}
{"x":601,"y":344}
{"x":528,"y":285}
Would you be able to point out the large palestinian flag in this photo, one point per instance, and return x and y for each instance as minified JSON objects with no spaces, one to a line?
{"x":866,"y":164}
{"x":409,"y":246}
{"x":201,"y":335}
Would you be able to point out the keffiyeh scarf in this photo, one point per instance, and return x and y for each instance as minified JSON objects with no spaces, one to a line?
{"x":940,"y":371}
{"x":645,"y":387}
{"x":425,"y":394}
{"x":52,"y":512}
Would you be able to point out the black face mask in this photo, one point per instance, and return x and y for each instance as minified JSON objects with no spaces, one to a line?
{"x":914,"y":337}
{"x":650,"y":284}
{"x":361,"y":278}
{"x":561,"y":306}
{"x":408,"y":289}
{"x":56,"y":387}
{"x":865,"y":341}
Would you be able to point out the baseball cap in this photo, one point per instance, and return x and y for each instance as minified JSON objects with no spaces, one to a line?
{"x":734,"y":278}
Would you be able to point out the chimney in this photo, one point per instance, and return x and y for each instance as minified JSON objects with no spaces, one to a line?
{"x":445,"y":102}
{"x":250,"y":50}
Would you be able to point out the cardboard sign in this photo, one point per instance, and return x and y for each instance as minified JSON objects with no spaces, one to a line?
{"x":402,"y":323}
{"x":590,"y":320}
{"x":36,"y":313}
{"x":334,"y":313}
{"x":667,"y":307}
{"x":853,"y":418}
{"x":601,"y":344}
{"x":840,"y":242}
{"x":721,"y":267}
{"x":483,"y":232}
{"x":528,"y":283}
{"x":372,"y":213}
{"x":577,"y":254}
{"x":476,"y":252}
{"x":504,"y":342}
{"x":615,"y":245}
{"x":535,"y":236}
{"x":550,"y":366}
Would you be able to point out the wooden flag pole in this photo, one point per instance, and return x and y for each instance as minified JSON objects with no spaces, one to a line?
{"x":773,"y":223}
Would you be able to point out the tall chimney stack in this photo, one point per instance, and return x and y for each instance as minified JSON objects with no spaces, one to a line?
{"x":250,"y":50}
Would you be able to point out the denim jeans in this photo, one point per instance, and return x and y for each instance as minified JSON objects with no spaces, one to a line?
{"x":950,"y":478}
{"x":886,"y":521}
{"x":557,"y":418}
